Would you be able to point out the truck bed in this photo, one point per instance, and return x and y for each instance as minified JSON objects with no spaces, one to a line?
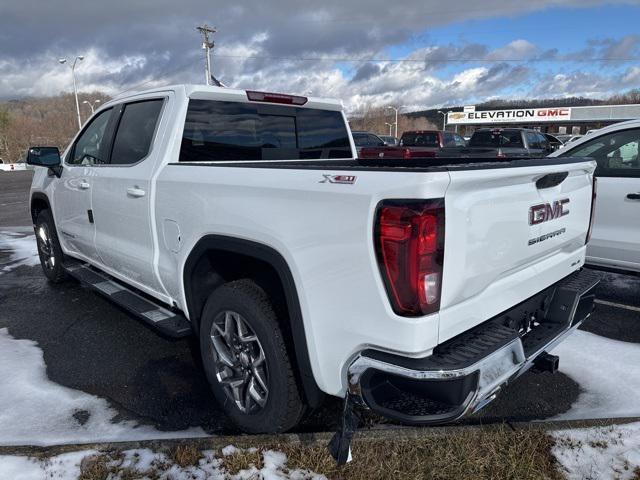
{"x":396,"y":164}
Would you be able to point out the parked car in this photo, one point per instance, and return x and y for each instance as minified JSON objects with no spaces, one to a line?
{"x":366,"y":139}
{"x":503,"y":143}
{"x":417,"y":144}
{"x":244,"y":218}
{"x":615,"y":242}
{"x":567,"y":139}
{"x":554,"y":142}
{"x":389,"y":140}
{"x":12,"y":166}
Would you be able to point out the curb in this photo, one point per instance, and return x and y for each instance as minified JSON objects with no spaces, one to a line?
{"x":309,"y":439}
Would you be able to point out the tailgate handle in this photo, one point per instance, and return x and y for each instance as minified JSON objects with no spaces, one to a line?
{"x":551,"y":180}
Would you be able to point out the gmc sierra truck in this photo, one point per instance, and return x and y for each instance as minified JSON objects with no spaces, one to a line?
{"x":246,"y":219}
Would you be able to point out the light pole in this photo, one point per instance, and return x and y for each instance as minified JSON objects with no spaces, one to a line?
{"x":396,"y":122}
{"x":91,"y":105}
{"x":444,"y":119}
{"x":75,"y":90}
{"x":390,"y":125}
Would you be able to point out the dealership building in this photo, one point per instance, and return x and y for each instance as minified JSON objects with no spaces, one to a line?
{"x":559,"y":120}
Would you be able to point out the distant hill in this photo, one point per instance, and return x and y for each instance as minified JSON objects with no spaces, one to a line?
{"x":44,"y":121}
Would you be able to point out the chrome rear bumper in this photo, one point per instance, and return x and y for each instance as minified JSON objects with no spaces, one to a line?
{"x":466,"y":373}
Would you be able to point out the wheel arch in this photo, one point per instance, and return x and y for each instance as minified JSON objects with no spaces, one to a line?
{"x":39,"y":201}
{"x":217,"y":259}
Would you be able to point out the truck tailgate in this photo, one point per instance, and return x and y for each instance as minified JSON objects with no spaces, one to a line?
{"x":498,"y":249}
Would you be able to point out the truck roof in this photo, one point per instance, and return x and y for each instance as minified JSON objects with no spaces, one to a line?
{"x":225,"y":93}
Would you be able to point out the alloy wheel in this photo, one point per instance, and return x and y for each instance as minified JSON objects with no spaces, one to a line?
{"x":241,"y":367}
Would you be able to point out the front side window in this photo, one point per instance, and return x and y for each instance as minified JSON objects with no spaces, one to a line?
{"x":616,"y":153}
{"x":216,"y":130}
{"x":135,"y":131}
{"x":89,"y":148}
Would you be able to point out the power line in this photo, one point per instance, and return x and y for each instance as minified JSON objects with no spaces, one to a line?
{"x":430,"y":60}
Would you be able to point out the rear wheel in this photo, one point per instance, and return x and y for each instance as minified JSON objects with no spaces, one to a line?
{"x":245,"y":359}
{"x":49,"y":249}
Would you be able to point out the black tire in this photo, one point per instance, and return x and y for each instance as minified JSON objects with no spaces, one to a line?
{"x":284,"y":406}
{"x":49,"y":250}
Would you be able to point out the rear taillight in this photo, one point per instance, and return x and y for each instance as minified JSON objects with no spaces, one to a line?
{"x":410,"y":250}
{"x":593,"y":209}
{"x":406,"y":154}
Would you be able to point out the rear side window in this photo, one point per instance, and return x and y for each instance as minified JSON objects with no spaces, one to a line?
{"x":420,"y":140}
{"x":496,"y":138}
{"x":135,"y":131}
{"x":235,"y":131}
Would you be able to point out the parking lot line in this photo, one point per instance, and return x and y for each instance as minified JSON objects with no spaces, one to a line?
{"x":618,"y":305}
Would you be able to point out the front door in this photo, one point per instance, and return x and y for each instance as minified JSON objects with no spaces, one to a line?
{"x":122,"y":196}
{"x":72,"y":191}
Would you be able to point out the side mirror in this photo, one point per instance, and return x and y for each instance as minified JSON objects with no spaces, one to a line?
{"x":45,"y":157}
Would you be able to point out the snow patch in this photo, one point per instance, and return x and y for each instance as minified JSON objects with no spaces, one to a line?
{"x":63,"y":467}
{"x":22,"y":250}
{"x":599,"y":453}
{"x":36,"y":411}
{"x":608,"y":372}
{"x":144,"y":463}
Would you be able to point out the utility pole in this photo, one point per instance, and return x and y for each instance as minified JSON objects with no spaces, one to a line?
{"x":207,"y":46}
{"x":75,"y":90}
{"x":390,"y":125}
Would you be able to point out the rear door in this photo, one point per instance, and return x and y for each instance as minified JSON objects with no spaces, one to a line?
{"x":122,"y":195}
{"x":615,"y":241}
{"x":510,"y":232}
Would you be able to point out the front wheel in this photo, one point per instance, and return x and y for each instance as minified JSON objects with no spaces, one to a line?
{"x":49,"y":249}
{"x":245,"y":359}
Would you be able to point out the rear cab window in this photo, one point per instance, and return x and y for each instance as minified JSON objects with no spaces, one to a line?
{"x":497,"y":138}
{"x":234,"y":131}
{"x":428,"y":139}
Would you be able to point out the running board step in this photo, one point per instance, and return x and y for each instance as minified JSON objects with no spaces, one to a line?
{"x":162,"y":319}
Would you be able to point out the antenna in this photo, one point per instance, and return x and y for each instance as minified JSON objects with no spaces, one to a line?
{"x":207,"y":46}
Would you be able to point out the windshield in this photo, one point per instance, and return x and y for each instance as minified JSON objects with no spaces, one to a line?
{"x":420,"y":140}
{"x":496,"y":138}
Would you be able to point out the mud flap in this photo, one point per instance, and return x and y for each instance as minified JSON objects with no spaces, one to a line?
{"x":340,"y":444}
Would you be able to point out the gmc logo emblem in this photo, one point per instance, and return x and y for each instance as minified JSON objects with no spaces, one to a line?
{"x":548,"y":211}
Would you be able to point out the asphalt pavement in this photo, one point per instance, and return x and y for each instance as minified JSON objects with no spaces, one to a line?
{"x":91,"y":345}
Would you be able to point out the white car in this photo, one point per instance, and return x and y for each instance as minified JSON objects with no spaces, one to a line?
{"x":11,"y":167}
{"x":246,"y":219}
{"x":615,"y":241}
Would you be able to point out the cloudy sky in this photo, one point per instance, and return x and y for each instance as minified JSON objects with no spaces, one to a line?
{"x":420,"y":53}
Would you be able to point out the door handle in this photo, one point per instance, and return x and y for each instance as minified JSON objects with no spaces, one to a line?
{"x":84,"y":185}
{"x":633,"y":196}
{"x":135,"y":192}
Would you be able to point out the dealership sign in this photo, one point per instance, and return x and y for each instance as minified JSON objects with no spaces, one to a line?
{"x":533,"y":115}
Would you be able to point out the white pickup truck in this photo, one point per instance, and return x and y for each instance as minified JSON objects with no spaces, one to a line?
{"x":417,"y":289}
